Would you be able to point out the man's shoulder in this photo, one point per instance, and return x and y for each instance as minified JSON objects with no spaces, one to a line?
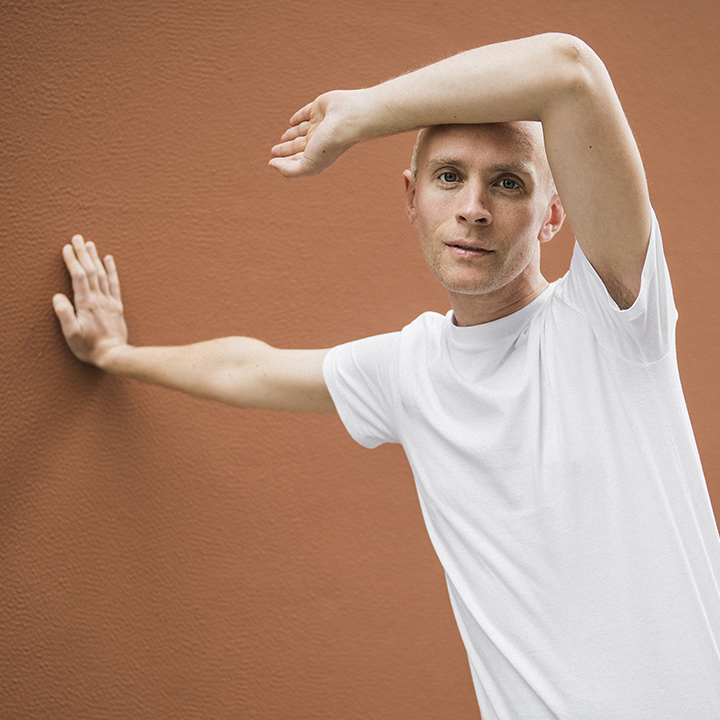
{"x":428,"y":321}
{"x":383,"y":347}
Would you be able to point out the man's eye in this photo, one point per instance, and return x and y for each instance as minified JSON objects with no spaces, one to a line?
{"x":449,"y":177}
{"x":509,"y":184}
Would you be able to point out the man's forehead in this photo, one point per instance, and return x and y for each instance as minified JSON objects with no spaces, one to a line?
{"x":511,"y":146}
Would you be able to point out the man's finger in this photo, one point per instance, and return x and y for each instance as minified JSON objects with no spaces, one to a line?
{"x":113,"y":279}
{"x":81,"y":288}
{"x":302,"y":114}
{"x":99,"y":267}
{"x":87,"y":263}
{"x":65,"y":314}
{"x":295,"y":131}
{"x":291,"y":147}
{"x":289,"y":167}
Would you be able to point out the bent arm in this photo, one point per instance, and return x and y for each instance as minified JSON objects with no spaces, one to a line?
{"x":555,"y":79}
{"x":237,"y":371}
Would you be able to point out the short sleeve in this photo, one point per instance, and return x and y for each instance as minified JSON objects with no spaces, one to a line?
{"x":362,"y":377}
{"x":644,"y":332}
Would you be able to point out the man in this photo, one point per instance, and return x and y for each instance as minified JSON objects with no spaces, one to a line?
{"x":545,"y":425}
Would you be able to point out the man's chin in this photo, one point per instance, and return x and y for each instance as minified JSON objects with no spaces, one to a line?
{"x":459,"y":286}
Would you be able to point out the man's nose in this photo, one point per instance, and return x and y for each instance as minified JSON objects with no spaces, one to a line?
{"x":473,"y":207}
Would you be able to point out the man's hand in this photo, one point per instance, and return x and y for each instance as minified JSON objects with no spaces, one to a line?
{"x":238,"y":371}
{"x":95,"y":326}
{"x":319,"y":134}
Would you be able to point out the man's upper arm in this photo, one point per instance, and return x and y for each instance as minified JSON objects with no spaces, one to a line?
{"x":293,"y":380}
{"x":598,"y":172}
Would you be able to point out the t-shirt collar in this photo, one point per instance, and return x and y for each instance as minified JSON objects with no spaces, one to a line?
{"x":502,"y":327}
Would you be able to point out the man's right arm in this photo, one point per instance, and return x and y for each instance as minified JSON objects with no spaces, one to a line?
{"x":238,"y":371}
{"x":553,"y":78}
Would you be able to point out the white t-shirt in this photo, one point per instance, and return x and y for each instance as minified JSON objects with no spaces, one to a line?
{"x":562,"y":489}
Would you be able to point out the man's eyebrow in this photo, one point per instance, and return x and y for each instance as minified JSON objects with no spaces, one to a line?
{"x":434,"y":163}
{"x":516,"y":168}
{"x":443,"y":160}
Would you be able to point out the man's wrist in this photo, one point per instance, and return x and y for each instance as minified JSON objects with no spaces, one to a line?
{"x":362,"y":114}
{"x":113,"y":358}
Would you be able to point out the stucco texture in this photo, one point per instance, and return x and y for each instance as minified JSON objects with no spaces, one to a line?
{"x":164,"y":557}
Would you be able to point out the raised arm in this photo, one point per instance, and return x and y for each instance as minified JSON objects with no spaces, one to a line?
{"x":555,"y":79}
{"x":235,"y":370}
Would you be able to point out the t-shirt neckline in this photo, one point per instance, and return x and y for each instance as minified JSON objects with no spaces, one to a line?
{"x":502,"y":327}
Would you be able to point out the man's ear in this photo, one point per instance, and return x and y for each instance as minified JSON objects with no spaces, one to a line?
{"x":553,"y":219}
{"x":410,"y":197}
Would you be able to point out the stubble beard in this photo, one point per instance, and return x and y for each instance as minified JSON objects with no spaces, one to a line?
{"x":480,"y":276}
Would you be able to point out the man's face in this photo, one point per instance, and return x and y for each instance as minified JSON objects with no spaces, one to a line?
{"x":482,"y":202}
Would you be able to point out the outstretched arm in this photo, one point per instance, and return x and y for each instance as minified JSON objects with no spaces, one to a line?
{"x":555,"y":79}
{"x":237,"y":371}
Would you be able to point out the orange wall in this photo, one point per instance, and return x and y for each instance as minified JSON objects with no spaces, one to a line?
{"x":166,"y":558}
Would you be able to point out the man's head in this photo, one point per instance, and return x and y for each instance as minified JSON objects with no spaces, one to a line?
{"x":483,"y":199}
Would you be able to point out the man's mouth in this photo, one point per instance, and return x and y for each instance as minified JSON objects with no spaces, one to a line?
{"x":467,"y":250}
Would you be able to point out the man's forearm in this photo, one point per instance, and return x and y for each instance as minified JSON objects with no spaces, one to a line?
{"x":515,"y":80}
{"x":225,"y":369}
{"x":528,"y":79}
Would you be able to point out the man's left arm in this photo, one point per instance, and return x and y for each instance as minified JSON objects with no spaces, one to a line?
{"x":553,"y":78}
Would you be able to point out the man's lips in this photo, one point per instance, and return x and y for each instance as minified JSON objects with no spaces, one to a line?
{"x":467,"y":249}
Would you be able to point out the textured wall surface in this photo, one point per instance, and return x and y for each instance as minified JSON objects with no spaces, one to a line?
{"x":167,"y":558}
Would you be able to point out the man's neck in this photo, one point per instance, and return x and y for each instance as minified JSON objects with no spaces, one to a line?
{"x":478,"y":309}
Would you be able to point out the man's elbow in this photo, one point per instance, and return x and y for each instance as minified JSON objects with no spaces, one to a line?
{"x":578,"y":66}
